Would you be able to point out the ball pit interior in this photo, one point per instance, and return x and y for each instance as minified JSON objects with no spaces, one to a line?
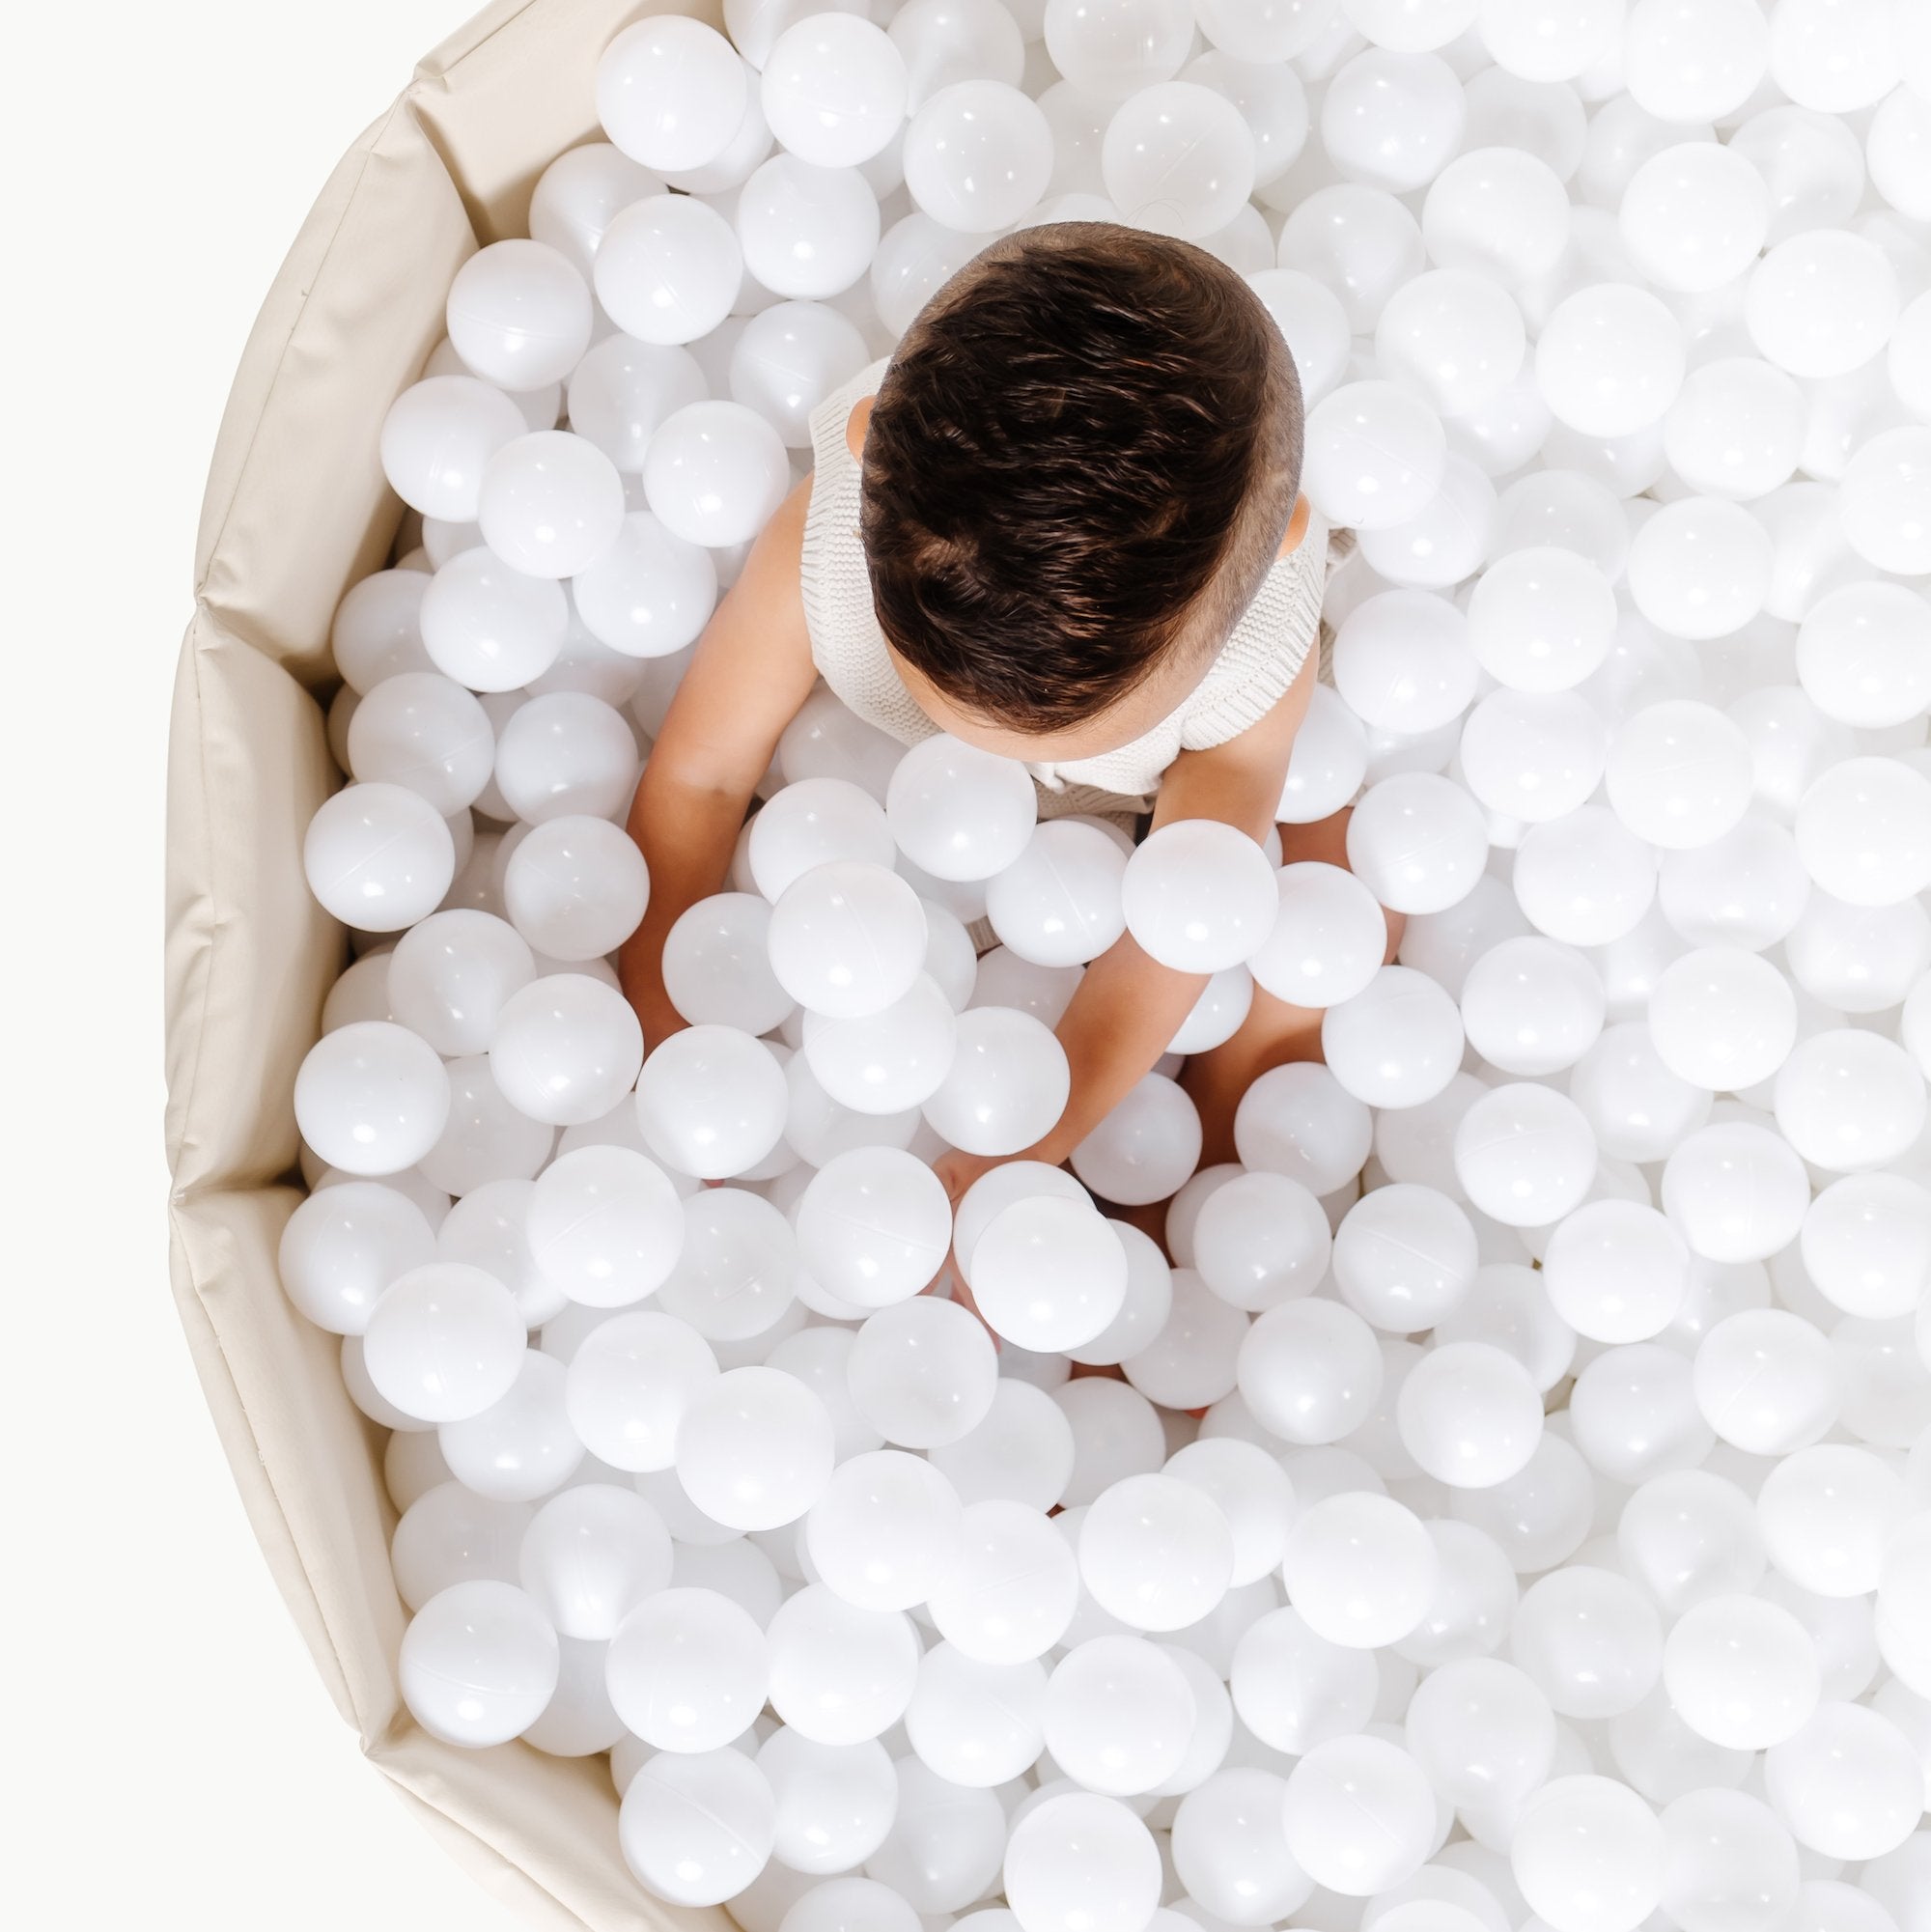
{"x":1502,"y":1498}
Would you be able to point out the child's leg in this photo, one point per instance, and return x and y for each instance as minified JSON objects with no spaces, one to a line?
{"x":1274,"y":1032}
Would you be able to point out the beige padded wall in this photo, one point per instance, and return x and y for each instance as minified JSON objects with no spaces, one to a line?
{"x":296,"y":510}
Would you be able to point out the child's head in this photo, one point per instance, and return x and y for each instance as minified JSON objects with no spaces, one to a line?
{"x":1080,"y":465}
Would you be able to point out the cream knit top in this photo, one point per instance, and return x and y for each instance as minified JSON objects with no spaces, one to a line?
{"x":1261,"y":658}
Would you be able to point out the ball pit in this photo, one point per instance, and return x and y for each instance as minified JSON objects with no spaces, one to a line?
{"x":1549,"y":1538}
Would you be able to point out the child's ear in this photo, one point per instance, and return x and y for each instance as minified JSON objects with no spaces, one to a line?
{"x":855,"y":426}
{"x":1297,"y":528}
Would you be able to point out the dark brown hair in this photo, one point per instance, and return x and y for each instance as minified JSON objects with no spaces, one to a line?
{"x":1083,"y":455}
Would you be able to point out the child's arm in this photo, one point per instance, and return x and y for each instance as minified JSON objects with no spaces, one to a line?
{"x":1129,"y":1006}
{"x":751,"y":673}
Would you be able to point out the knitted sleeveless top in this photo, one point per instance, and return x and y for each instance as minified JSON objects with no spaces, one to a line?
{"x":1261,"y":658}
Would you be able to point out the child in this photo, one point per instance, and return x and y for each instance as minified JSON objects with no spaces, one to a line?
{"x":1062,"y":522}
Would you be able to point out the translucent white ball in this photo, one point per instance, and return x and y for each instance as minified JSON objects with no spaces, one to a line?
{"x":1060,"y":902}
{"x":1686,"y":63}
{"x":1767,"y":1382}
{"x":444,"y":1342}
{"x":490,"y":625}
{"x":1541,"y":619}
{"x":977,"y":156}
{"x":1360,"y":1568}
{"x":957,"y":812}
{"x":379,"y":856}
{"x":1863,"y":832}
{"x":437,"y":438}
{"x":1587,"y":1854}
{"x":873,"y":1225}
{"x":1821,"y":304}
{"x":1700,"y":567}
{"x":1741,"y":1673}
{"x":1373,"y":454}
{"x":1584,"y":878}
{"x":1611,"y":359}
{"x":605,"y":1226}
{"x":1532,"y":755}
{"x":1298,"y":1120}
{"x":1499,"y":212}
{"x":1359,"y":243}
{"x":1417,"y":842}
{"x":890,"y":1060}
{"x":716,"y":965}
{"x":518,"y":314}
{"x":848,"y":938}
{"x":1524,"y":1154}
{"x":1722,"y":1018}
{"x":629,"y":1384}
{"x":1482,"y":1732}
{"x":1866,"y":1244}
{"x":1358,"y":1815}
{"x":1310,"y":1371}
{"x":1402,"y":662}
{"x":478,"y":1663}
{"x":575,"y":889}
{"x":1848,"y":1100}
{"x":834,"y":89}
{"x":711,"y":1101}
{"x":808,"y":233}
{"x":1694,"y":216}
{"x":668,"y":269}
{"x":1849,"y":1784}
{"x":1391,"y":120}
{"x":923,"y":1372}
{"x":1469,"y":1414}
{"x":1736,"y":1192}
{"x":714,"y":473}
{"x":1178,"y":158}
{"x":1049,"y":1273}
{"x":1455,"y":336}
{"x":1864,"y":655}
{"x":567,"y":1049}
{"x":372,"y":1098}
{"x":1736,"y":428}
{"x":686,"y":1669}
{"x":1533,"y":1007}
{"x":696,"y":1828}
{"x":1115,"y":51}
{"x":1198,"y":895}
{"x":754,"y":1449}
{"x":1328,"y":940}
{"x":1079,"y":1862}
{"x":1014,"y":1588}
{"x":884,"y":1534}
{"x":671,"y":91}
{"x":1156,"y":1553}
{"x":839,"y":1674}
{"x":1261,"y":1239}
{"x":1884,"y":502}
{"x":1006,"y":1087}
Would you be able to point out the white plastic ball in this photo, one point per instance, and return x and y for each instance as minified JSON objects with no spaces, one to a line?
{"x":808,"y":233}
{"x":1849,"y":1784}
{"x":1863,"y":832}
{"x":1497,"y":213}
{"x":1310,"y":1371}
{"x":1736,"y":428}
{"x":1525,"y":1154}
{"x":1359,"y":243}
{"x":605,"y":1226}
{"x":1006,"y":1087}
{"x":873,"y":1225}
{"x":671,"y":91}
{"x":1059,"y":902}
{"x":649,"y":594}
{"x":1741,"y":1673}
{"x":1327,"y":939}
{"x":478,"y":1663}
{"x":1358,"y":1815}
{"x":1261,"y":1239}
{"x":379,"y":856}
{"x":1611,"y":359}
{"x":1392,"y":120}
{"x":1849,"y":1100}
{"x":668,"y":269}
{"x":1114,"y":51}
{"x":372,"y":1098}
{"x":566,"y":1049}
{"x":957,"y":812}
{"x":492,"y":627}
{"x":834,"y":89}
{"x":629,"y":1384}
{"x":1198,"y":895}
{"x":883,"y":1533}
{"x":1585,"y":878}
{"x":1821,"y":303}
{"x":1014,"y":1590}
{"x":754,"y":1448}
{"x":1884,"y":502}
{"x":437,"y":439}
{"x":1079,"y":1862}
{"x":1178,"y":158}
{"x":848,"y":938}
{"x":1722,"y":1018}
{"x":1588,"y":1855}
{"x":1684,"y":61}
{"x":444,"y":1342}
{"x":714,"y":473}
{"x":977,"y":156}
{"x":518,"y":314}
{"x":696,"y":1828}
{"x":1694,"y":216}
{"x":1736,"y":1192}
{"x":1049,"y":1273}
{"x":575,"y":889}
{"x":1375,"y":454}
{"x":1767,"y":1382}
